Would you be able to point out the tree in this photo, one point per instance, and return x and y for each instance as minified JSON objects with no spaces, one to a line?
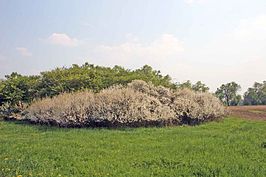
{"x":198,"y":86}
{"x":17,"y":88}
{"x":187,"y":84}
{"x":256,"y":95}
{"x":227,"y":93}
{"x":201,"y":87}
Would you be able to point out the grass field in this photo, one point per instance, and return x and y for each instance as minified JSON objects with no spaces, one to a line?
{"x":232,"y":147}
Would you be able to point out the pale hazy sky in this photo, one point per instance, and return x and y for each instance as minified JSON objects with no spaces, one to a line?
{"x":215,"y":41}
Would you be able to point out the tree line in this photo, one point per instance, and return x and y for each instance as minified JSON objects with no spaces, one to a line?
{"x":228,"y":94}
{"x":16,"y":88}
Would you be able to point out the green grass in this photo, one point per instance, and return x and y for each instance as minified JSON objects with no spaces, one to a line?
{"x":232,"y":147}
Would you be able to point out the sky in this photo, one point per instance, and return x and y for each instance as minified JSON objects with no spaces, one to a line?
{"x":212,"y":41}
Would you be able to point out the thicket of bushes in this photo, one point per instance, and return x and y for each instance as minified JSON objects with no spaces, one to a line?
{"x":136,"y":104}
{"x":17,"y":91}
{"x":16,"y":88}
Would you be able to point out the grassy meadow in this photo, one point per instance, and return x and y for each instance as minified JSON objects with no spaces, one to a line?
{"x":232,"y":147}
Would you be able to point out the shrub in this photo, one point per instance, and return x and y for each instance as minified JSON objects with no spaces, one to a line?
{"x":189,"y":106}
{"x":137,"y":104}
{"x":10,"y":112}
{"x":64,"y":109}
{"x":193,"y":107}
{"x":163,"y":94}
{"x":128,"y":106}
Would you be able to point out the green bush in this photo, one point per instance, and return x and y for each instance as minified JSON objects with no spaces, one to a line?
{"x":17,"y":88}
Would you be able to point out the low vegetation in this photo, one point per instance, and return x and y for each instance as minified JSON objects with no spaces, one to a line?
{"x":249,"y":112}
{"x":137,"y":104}
{"x":230,"y":147}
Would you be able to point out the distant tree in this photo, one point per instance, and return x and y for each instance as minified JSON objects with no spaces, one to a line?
{"x":187,"y":84}
{"x":227,"y":93}
{"x":147,"y":74}
{"x":198,"y":86}
{"x":256,"y":95}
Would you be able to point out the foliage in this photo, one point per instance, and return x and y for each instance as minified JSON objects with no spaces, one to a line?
{"x":227,"y":93}
{"x":231,"y":147}
{"x":198,"y":86}
{"x":17,"y":88}
{"x":256,"y":95}
{"x":138,"y":104}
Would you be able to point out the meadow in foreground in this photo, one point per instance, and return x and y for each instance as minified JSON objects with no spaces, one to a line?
{"x":232,"y":147}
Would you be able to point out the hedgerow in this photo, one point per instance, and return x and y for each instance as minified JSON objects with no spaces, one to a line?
{"x":136,"y":104}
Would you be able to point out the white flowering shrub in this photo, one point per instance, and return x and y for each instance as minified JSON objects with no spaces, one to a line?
{"x":66,"y":108}
{"x":137,"y":104}
{"x":128,"y":106}
{"x":164,"y":95}
{"x":193,"y":107}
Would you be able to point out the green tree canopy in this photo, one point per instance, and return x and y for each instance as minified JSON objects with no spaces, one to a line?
{"x":227,"y":93}
{"x":256,"y":95}
{"x":16,"y":88}
{"x":198,"y":86}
